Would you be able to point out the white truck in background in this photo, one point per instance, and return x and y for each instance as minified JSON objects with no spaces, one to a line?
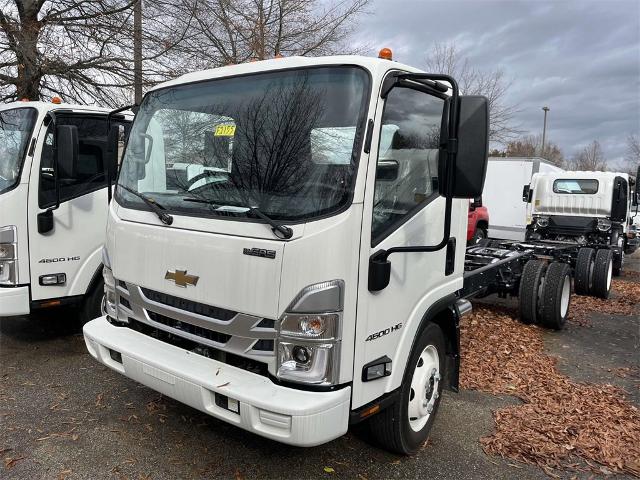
{"x":593,"y":210}
{"x":53,"y":205}
{"x":503,"y":193}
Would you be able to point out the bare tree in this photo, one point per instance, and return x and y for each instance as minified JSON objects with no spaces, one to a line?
{"x":590,"y":158}
{"x":235,"y":31}
{"x":632,"y":155}
{"x":531,"y":146}
{"x":81,"y":50}
{"x":445,"y":58}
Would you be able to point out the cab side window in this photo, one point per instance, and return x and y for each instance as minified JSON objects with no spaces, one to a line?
{"x":90,"y":172}
{"x":407,"y":170}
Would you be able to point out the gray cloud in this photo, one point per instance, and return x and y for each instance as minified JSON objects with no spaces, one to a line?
{"x":579,"y":57}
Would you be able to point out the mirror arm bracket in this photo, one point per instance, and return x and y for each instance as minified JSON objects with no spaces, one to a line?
{"x":110,"y":173}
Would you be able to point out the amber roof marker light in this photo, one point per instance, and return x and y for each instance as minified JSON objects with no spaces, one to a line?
{"x":56,"y":100}
{"x":385,"y":54}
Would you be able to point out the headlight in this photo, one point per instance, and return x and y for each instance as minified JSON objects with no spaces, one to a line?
{"x":310,"y":325}
{"x":8,"y":255}
{"x":604,"y":225}
{"x":542,"y":222}
{"x":309,"y":335}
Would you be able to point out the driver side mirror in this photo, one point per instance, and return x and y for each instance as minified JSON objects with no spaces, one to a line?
{"x":636,"y":193}
{"x":472,"y":147}
{"x":387,"y":170}
{"x":527,"y":193}
{"x":141,"y":146}
{"x":66,"y":144}
{"x":477,"y":203}
{"x":112,"y":149}
{"x":65,"y":162}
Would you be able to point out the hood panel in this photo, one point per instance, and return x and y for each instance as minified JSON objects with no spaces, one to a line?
{"x":228,"y":278}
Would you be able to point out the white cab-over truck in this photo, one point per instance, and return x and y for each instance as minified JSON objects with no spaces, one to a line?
{"x":53,"y":205}
{"x":307,"y":278}
{"x":593,"y":211}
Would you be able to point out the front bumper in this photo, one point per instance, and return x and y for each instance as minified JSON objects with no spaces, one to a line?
{"x":287,"y":415}
{"x":14,"y":301}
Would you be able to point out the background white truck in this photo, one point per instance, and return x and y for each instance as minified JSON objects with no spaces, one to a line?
{"x":503,"y":193}
{"x":53,"y":205}
{"x":590,"y":209}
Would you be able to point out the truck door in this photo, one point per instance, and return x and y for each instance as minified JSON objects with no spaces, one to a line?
{"x":73,"y":247}
{"x":402,"y":208}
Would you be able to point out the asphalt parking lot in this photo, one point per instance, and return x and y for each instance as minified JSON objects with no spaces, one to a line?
{"x":62,"y":415}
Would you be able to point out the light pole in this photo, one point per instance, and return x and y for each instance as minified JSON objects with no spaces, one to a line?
{"x":544,"y":130}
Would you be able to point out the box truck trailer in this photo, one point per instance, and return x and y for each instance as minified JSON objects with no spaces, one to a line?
{"x":503,"y":193}
{"x":313,"y":275}
{"x":53,"y":205}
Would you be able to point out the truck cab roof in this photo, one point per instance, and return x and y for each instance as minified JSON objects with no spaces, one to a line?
{"x":44,"y":107}
{"x":372,"y":64}
{"x":579,"y":174}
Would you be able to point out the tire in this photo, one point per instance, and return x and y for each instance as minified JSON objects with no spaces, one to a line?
{"x":556,"y":296}
{"x":617,"y":266}
{"x":533,"y":275}
{"x":92,"y":305}
{"x":584,"y":271}
{"x":393,"y":428}
{"x":603,"y":273}
{"x":479,"y":235}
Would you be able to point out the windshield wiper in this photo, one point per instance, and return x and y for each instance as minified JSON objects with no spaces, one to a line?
{"x":285,"y":231}
{"x":152,"y":204}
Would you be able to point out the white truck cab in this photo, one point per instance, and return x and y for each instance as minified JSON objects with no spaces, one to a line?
{"x":592,"y":209}
{"x":53,"y":205}
{"x":307,"y":277}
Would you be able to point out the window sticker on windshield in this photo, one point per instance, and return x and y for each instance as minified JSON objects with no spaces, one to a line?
{"x":225,"y":131}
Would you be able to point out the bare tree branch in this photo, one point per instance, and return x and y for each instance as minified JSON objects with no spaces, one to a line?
{"x":445,"y":58}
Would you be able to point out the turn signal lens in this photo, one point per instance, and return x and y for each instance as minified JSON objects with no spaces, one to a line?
{"x":386,"y":54}
{"x":56,"y":100}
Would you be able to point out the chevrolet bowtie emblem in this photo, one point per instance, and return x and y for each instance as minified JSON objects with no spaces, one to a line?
{"x":181,"y":278}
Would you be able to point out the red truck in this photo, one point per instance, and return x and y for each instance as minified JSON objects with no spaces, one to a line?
{"x":478,"y":223}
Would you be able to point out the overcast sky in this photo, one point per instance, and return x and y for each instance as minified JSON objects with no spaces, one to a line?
{"x":581,"y":58}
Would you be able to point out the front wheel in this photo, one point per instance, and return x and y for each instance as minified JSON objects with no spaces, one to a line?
{"x":404,"y":426}
{"x":93,"y":305}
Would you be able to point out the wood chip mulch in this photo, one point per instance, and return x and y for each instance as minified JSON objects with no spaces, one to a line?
{"x":562,"y":424}
{"x":623,"y":301}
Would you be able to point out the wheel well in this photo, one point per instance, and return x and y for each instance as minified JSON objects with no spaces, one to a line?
{"x":94,"y":280}
{"x":447,"y":320}
{"x":483,"y":224}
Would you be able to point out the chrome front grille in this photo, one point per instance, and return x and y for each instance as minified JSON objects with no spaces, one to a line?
{"x":232,"y":332}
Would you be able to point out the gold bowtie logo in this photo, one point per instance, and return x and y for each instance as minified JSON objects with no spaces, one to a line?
{"x":181,"y":278}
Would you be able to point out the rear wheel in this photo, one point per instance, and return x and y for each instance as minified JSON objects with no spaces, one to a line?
{"x":603,"y":273}
{"x":584,"y":271}
{"x":404,"y":426}
{"x":93,"y":305}
{"x":556,"y":295}
{"x":530,"y":283}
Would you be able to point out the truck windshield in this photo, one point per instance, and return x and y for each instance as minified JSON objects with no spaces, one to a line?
{"x":286,"y":143}
{"x":16,"y":126}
